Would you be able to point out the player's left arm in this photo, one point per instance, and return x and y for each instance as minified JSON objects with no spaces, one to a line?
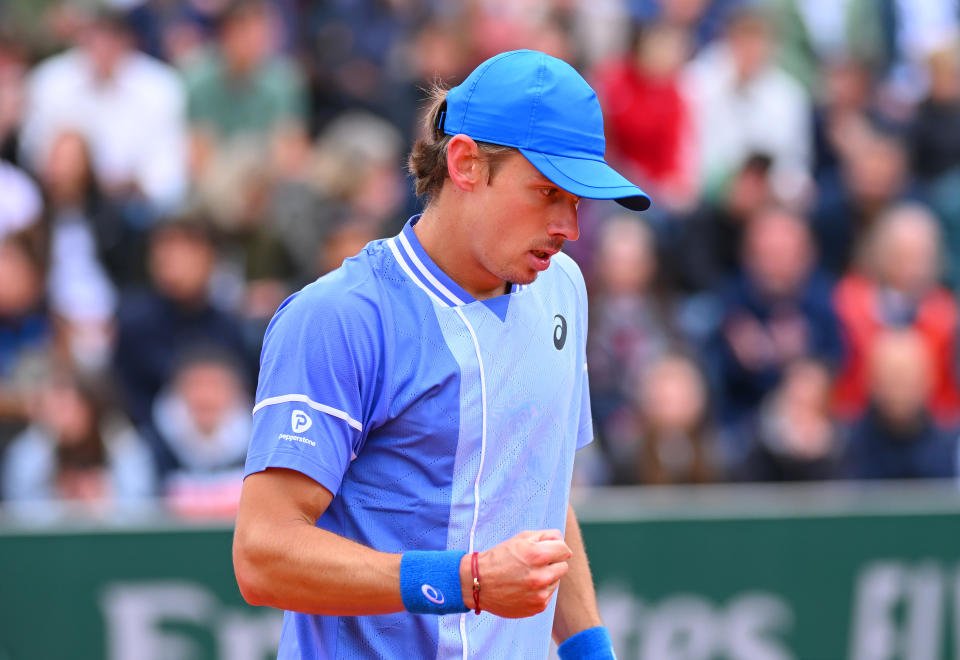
{"x":576,"y":599}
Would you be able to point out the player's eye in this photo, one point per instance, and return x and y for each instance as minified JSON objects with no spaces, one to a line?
{"x":548,"y":191}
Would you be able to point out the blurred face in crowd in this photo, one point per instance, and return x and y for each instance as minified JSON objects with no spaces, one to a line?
{"x":210,"y":390}
{"x":804,"y":402}
{"x":683,"y":12}
{"x":66,"y":413}
{"x":626,"y":261}
{"x":900,"y":376}
{"x":749,"y":38}
{"x":67,"y":169}
{"x":749,"y":191}
{"x":181,"y":264}
{"x":247,"y":39}
{"x":106,"y":45}
{"x":876,"y":170}
{"x":906,"y":253}
{"x":673,"y":395}
{"x":438,"y":52}
{"x":21,"y":281}
{"x":846,"y":84}
{"x":662,"y":50}
{"x":778,"y":253}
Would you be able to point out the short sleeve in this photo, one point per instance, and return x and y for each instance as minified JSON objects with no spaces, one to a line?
{"x":315,"y":390}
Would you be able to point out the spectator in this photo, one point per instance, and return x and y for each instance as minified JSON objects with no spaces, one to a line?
{"x":356,"y":169}
{"x":13,"y":73}
{"x":935,"y":150}
{"x":897,"y":438}
{"x":629,"y":323}
{"x":172,"y":30}
{"x":812,"y":32}
{"x":704,"y":247}
{"x":874,"y":174}
{"x":242,"y":89}
{"x":935,"y":136}
{"x":157,"y":325}
{"x":744,"y":104}
{"x":795,"y":436}
{"x":897,"y":288}
{"x":703,"y":19}
{"x":77,"y":449}
{"x":846,"y":109}
{"x":649,"y":123}
{"x":777,"y":311}
{"x":81,"y":294}
{"x":673,"y":441}
{"x":26,"y":333}
{"x":349,"y":50}
{"x":128,"y":106}
{"x":203,"y":418}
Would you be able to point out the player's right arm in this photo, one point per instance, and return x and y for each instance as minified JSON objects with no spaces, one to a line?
{"x":283,"y":560}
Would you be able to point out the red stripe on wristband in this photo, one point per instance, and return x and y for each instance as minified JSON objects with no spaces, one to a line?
{"x":475,"y":572}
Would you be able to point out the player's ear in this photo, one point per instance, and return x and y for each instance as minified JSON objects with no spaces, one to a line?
{"x":464,"y":163}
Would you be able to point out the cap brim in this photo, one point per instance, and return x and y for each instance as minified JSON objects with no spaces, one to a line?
{"x":593,"y":179}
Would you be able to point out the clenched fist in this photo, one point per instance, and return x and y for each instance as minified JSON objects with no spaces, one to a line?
{"x":518,"y":577}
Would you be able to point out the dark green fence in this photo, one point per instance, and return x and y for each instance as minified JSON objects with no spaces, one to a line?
{"x":811,"y":573}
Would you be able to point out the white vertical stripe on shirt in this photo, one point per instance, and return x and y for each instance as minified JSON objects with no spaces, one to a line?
{"x":483,"y":451}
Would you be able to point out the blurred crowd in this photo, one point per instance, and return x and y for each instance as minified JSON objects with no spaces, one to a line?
{"x":171,"y":170}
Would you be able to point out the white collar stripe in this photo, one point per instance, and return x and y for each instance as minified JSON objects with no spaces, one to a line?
{"x":303,"y":398}
{"x":410,"y":274}
{"x":426,"y":273}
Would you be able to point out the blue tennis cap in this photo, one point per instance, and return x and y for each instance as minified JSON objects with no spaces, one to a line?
{"x":543,"y":107}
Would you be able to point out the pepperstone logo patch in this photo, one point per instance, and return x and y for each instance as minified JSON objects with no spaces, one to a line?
{"x":300,"y":421}
{"x":559,"y":332}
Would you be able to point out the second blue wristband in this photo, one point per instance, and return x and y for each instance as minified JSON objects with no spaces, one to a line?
{"x":590,"y":644}
{"x":430,"y":581}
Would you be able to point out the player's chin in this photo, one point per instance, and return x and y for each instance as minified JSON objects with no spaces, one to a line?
{"x":525,"y":276}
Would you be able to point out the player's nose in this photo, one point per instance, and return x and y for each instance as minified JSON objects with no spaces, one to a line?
{"x":565,"y":222}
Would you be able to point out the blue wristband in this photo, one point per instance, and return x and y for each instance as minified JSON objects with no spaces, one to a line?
{"x":590,"y":644}
{"x":430,"y":581}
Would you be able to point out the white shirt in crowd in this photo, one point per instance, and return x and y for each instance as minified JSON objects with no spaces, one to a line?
{"x":134,"y":122}
{"x":769,"y":113}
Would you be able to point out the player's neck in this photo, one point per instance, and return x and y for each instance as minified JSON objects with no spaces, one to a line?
{"x":445,"y":240}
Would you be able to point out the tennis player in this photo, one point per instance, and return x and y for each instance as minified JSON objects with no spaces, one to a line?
{"x":419,"y":408}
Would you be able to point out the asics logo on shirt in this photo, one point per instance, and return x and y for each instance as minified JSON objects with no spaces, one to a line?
{"x":300,"y":421}
{"x":432,"y":594}
{"x":560,"y":332}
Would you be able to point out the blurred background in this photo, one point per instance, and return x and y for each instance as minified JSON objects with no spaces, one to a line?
{"x":787,"y":311}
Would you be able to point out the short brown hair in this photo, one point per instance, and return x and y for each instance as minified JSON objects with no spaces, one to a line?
{"x":428,"y":159}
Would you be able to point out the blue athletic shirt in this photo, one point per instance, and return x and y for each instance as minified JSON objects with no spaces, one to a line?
{"x":439,"y":422}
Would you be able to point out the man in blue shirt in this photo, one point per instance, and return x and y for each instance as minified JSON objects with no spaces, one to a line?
{"x":419,"y":408}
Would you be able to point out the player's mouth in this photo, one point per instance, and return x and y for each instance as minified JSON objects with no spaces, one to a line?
{"x":540,"y":259}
